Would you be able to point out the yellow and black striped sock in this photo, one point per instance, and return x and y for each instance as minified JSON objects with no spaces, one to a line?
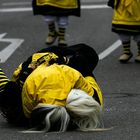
{"x":61,"y":35}
{"x":52,"y":30}
{"x":3,"y":80}
{"x":126,"y":47}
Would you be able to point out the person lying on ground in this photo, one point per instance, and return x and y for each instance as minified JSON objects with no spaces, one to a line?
{"x":42,"y":87}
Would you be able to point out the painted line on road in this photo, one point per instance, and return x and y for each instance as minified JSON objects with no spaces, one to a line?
{"x":15,"y":3}
{"x":25,"y":9}
{"x":94,"y":6}
{"x":13,"y":44}
{"x":4,"y":10}
{"x":110,"y":49}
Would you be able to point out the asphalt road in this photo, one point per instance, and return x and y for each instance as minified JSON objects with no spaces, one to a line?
{"x":21,"y":34}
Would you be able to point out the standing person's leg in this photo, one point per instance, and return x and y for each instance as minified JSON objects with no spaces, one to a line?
{"x":62,"y":26}
{"x":137,"y":39}
{"x":52,"y":34}
{"x":126,"y":44}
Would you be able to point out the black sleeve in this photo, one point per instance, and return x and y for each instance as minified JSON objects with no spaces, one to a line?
{"x":110,"y":3}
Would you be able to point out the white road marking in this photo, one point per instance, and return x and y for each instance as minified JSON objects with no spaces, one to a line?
{"x":26,"y":9}
{"x":10,"y":49}
{"x":109,"y":50}
{"x":16,"y":3}
{"x":94,"y":6}
{"x":5,"y":10}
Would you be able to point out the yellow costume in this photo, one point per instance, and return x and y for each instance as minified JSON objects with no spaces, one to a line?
{"x":126,"y":16}
{"x":68,"y":4}
{"x":51,"y":85}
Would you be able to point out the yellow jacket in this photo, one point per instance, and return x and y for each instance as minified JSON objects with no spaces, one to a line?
{"x":51,"y":85}
{"x":127,"y":13}
{"x":47,"y":56}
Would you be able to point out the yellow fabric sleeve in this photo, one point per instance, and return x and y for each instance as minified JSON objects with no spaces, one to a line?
{"x":95,"y":86}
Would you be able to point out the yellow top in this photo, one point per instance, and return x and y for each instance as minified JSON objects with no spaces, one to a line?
{"x":51,"y":85}
{"x":47,"y":56}
{"x":127,"y":13}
